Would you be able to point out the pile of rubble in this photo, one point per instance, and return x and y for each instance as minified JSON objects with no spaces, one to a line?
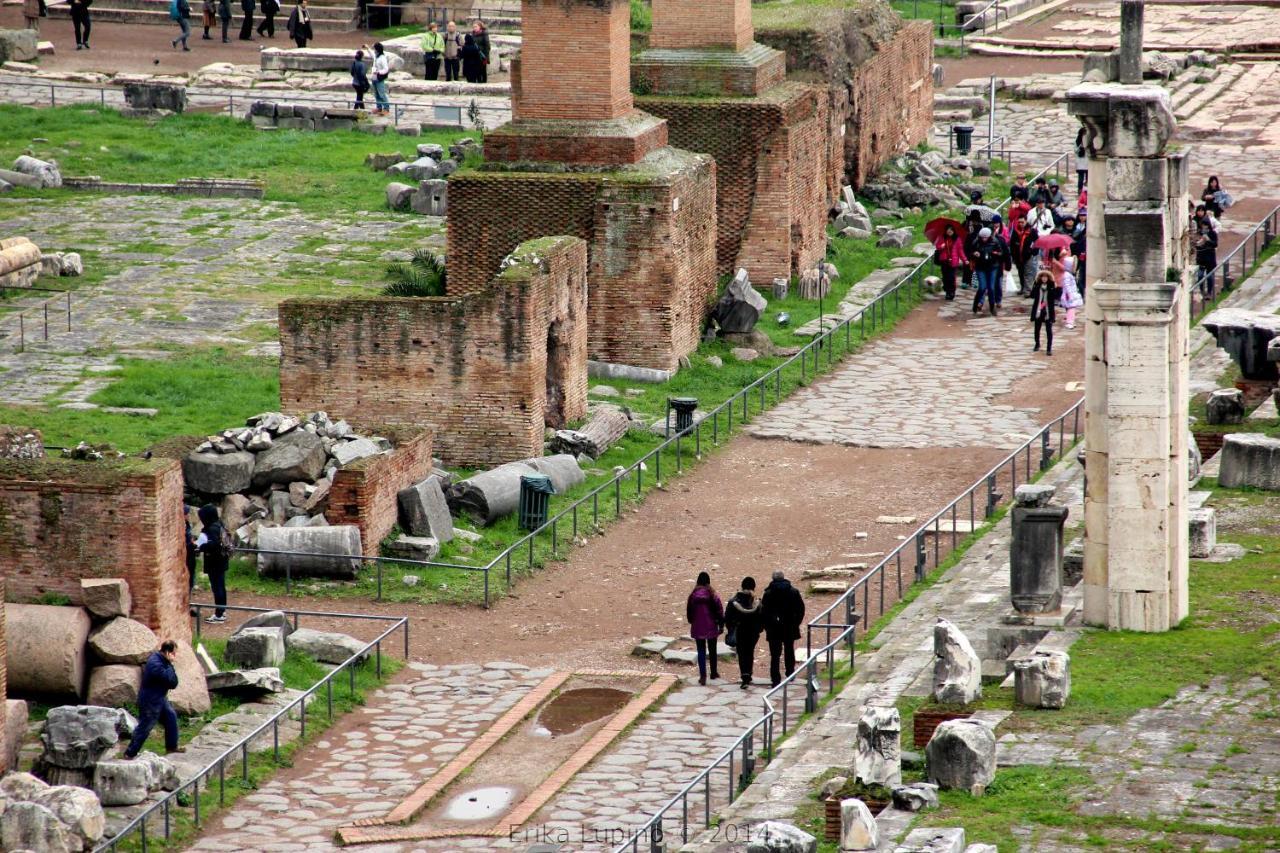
{"x":39,"y":816}
{"x":918,"y":180}
{"x":32,"y":173}
{"x":430,"y":194}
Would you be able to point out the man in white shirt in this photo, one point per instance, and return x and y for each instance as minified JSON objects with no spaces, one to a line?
{"x":1040,"y":218}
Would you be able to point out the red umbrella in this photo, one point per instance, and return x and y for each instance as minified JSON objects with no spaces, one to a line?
{"x":1053,"y":241}
{"x":935,"y":228}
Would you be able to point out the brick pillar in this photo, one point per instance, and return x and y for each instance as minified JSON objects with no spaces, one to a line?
{"x":710,"y":23}
{"x":575,"y":60}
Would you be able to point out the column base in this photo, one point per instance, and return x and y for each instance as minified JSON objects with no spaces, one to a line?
{"x":708,"y":71}
{"x":558,"y":143}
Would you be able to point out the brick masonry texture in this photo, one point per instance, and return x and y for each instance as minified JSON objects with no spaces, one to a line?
{"x":771,"y":174}
{"x":4,"y":757}
{"x":62,"y":520}
{"x":576,"y":60}
{"x":474,"y":368}
{"x":878,"y":74}
{"x":616,"y":142}
{"x":364,"y":492}
{"x":709,"y":23}
{"x":650,"y":236}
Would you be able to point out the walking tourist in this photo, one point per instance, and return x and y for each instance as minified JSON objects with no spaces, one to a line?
{"x":1023,"y":254}
{"x":1215,"y":199}
{"x":359,"y":79}
{"x":158,"y":678}
{"x":471,"y":64}
{"x":32,"y":12}
{"x":951,"y":257}
{"x":209,"y":17}
{"x":744,"y":622}
{"x":988,"y":261}
{"x":1082,"y":162}
{"x":452,"y":52}
{"x":381,"y":71}
{"x":180,"y":10}
{"x":1044,"y":299}
{"x":1040,"y":218}
{"x":268,"y":25}
{"x":80,"y":21}
{"x":224,"y":15}
{"x":246,"y":26}
{"x":1071,"y":299}
{"x":191,"y":552}
{"x":215,"y":543}
{"x":432,"y":51}
{"x":705,"y":614}
{"x":1019,"y":190}
{"x":1040,"y":190}
{"x":481,"y":34}
{"x":300,"y":24}
{"x":782,"y":610}
{"x":1205,"y":242}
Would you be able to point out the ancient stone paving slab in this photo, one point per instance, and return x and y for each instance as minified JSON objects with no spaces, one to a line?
{"x":191,"y":271}
{"x":412,"y":728}
{"x":923,"y":392}
{"x":1205,"y":26}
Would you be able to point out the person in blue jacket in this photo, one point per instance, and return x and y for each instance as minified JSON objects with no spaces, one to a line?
{"x":158,"y":678}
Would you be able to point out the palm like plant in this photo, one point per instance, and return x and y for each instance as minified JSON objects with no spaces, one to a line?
{"x":424,"y":275}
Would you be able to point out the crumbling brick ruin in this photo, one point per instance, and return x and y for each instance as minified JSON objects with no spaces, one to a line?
{"x":486,"y":371}
{"x":364,"y":492}
{"x":769,"y":136}
{"x":578,"y":158}
{"x":63,"y":520}
{"x":876,"y":69}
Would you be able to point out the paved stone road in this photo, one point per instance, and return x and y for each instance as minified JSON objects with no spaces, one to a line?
{"x":191,"y":271}
{"x":924,"y":392}
{"x":1184,"y":26}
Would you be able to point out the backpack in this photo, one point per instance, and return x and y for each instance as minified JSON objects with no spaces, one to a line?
{"x":175,"y":11}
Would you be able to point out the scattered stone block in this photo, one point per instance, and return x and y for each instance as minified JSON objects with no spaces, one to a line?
{"x":326,"y":646}
{"x":15,"y":729}
{"x":18,"y":46}
{"x":915,"y":797}
{"x":45,"y":170}
{"x":930,"y":840}
{"x":897,"y":238}
{"x":123,"y":640}
{"x":296,"y":455}
{"x":114,"y":686}
{"x":424,"y":511}
{"x":191,"y":696}
{"x":161,"y":772}
{"x":269,"y":619}
{"x":957,"y":670}
{"x":832,"y":786}
{"x":1042,"y":679}
{"x":120,"y":783}
{"x":425,"y":548}
{"x":1203,"y":532}
{"x":774,"y":836}
{"x":327,"y":552}
{"x":858,"y":831}
{"x":1033,"y":495}
{"x":878,"y":750}
{"x":76,"y":737}
{"x":1225,"y":406}
{"x":1250,"y":459}
{"x":47,"y":653}
{"x":739,"y":307}
{"x":961,"y":755}
{"x":254,"y":648}
{"x":105,"y":598}
{"x":399,"y":195}
{"x":218,"y":473}
{"x":895,"y":519}
{"x":78,"y":810}
{"x":31,"y":826}
{"x":246,"y":681}
{"x":382,"y":162}
{"x":206,"y":660}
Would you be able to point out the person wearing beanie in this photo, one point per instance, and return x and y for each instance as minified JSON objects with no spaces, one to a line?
{"x":215,"y":543}
{"x":744,"y":622}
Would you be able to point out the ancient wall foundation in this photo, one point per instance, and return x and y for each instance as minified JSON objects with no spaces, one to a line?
{"x":364,"y":492}
{"x":487,"y":371}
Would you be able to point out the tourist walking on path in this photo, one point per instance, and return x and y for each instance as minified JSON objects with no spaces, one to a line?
{"x":300,"y":24}
{"x":1023,"y":254}
{"x":951,"y":257}
{"x":1215,"y":198}
{"x":988,"y":260}
{"x":215,"y":544}
{"x":246,"y":26}
{"x":32,"y":12}
{"x":180,"y":11}
{"x":1205,"y":243}
{"x":381,"y":71}
{"x":471,"y":64}
{"x":1019,"y":190}
{"x":705,"y":614}
{"x":1082,"y":162}
{"x":481,"y":34}
{"x":158,"y":678}
{"x":432,"y":51}
{"x":359,"y":79}
{"x":1040,"y":218}
{"x":209,"y":17}
{"x":744,"y":621}
{"x":1044,"y":299}
{"x":782,"y":610}
{"x":224,"y":15}
{"x":1071,"y":299}
{"x":80,"y":21}
{"x":191,"y":551}
{"x":268,"y":25}
{"x":452,"y":51}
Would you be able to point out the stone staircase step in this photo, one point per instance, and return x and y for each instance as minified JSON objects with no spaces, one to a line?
{"x":975,"y":104}
{"x":941,"y":116}
{"x":1225,"y":79}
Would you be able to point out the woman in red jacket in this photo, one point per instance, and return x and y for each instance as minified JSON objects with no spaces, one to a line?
{"x":950,"y":256}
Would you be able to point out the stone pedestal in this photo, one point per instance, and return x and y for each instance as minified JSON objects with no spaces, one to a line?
{"x":1035,"y":558}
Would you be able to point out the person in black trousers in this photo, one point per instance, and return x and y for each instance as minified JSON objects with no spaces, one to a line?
{"x":744,"y":622}
{"x":452,"y":52}
{"x":224,"y":15}
{"x":782,"y":610}
{"x":481,"y":35}
{"x":1045,"y":294}
{"x":268,"y":25}
{"x":80,"y":20}
{"x":192,"y":553}
{"x":246,"y":27}
{"x":215,"y":544}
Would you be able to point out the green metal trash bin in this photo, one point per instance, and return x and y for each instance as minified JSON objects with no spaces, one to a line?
{"x":535,"y":495}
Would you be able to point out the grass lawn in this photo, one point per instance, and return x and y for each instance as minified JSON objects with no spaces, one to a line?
{"x":322,"y":173}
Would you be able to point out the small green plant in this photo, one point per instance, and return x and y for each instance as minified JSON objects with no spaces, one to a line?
{"x":56,"y":599}
{"x":1188,"y":748}
{"x":641,"y":16}
{"x":424,"y":275}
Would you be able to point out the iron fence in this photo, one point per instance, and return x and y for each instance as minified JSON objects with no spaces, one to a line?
{"x":162,"y":810}
{"x":1249,"y":250}
{"x":41,"y":310}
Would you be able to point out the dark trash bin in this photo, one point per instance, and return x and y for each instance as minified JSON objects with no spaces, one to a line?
{"x":684,"y":408}
{"x":535,"y":496}
{"x":964,"y":137}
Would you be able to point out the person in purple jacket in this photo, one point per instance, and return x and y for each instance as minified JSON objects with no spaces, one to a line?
{"x":705,"y":613}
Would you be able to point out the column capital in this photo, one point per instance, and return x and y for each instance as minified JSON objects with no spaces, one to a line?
{"x":1136,"y":303}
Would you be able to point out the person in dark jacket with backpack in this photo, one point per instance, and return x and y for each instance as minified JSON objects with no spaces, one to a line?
{"x":215,"y":544}
{"x":158,"y":678}
{"x":705,"y":613}
{"x":744,"y":622}
{"x":359,"y":79}
{"x":782,"y":610}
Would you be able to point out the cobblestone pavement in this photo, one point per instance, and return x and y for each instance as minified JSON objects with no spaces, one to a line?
{"x":190,"y":271}
{"x":411,"y":728}
{"x":907,"y":391}
{"x":1209,"y":26}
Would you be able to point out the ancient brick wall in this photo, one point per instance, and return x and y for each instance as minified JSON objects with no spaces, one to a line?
{"x":473,"y":368}
{"x":63,"y":520}
{"x":4,"y":753}
{"x":364,"y":492}
{"x":589,"y":38}
{"x":709,"y":23}
{"x":652,"y":267}
{"x":771,"y":187}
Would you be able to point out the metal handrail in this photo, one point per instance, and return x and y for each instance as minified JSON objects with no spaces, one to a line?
{"x":218,"y":765}
{"x":1268,"y":227}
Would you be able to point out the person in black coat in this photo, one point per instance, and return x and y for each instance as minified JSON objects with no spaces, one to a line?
{"x":268,"y":25}
{"x":300,"y":24}
{"x":80,"y":20}
{"x":246,"y":28}
{"x":782,"y":610}
{"x":158,"y":678}
{"x":1205,"y":242}
{"x":359,"y":79}
{"x":471,"y":64}
{"x":481,"y":34}
{"x":1045,"y":294}
{"x":744,"y":620}
{"x":224,"y":15}
{"x":213,"y":543}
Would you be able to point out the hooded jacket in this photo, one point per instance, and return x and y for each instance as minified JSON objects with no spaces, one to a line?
{"x":216,"y":558}
{"x":951,"y":251}
{"x":705,"y":613}
{"x":783,"y":610}
{"x":744,"y":614}
{"x":158,"y":678}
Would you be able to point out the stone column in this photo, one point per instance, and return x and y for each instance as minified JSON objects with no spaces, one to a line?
{"x":1130,"y":59}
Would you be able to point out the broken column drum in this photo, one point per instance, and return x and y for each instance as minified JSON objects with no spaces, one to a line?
{"x":1035,"y":558}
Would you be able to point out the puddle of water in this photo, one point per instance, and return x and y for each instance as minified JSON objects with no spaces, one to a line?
{"x":479,"y":803}
{"x":573,"y":709}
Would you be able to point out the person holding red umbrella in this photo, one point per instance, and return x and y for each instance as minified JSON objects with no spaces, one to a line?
{"x":948,"y":243}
